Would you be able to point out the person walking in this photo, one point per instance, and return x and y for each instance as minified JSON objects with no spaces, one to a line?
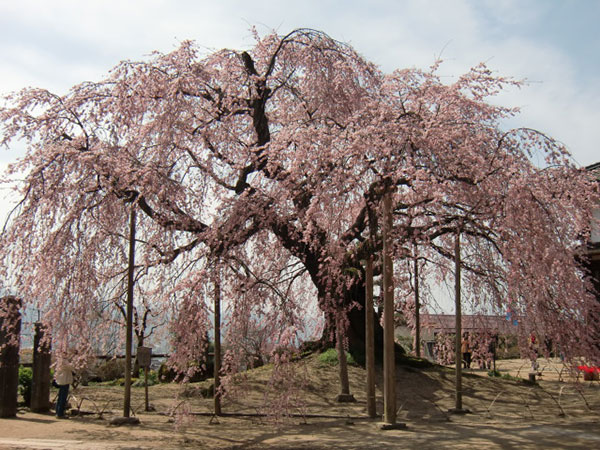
{"x":63,"y":378}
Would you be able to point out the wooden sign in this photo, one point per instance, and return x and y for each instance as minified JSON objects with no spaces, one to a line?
{"x":144,"y":355}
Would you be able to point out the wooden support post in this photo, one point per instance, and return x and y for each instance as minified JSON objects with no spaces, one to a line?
{"x":389,"y":357}
{"x":417,"y":307}
{"x":342,"y":361}
{"x":370,"y":340}
{"x":217,"y":357}
{"x":495,"y":346}
{"x":147,"y":402}
{"x":144,"y":358}
{"x":10,"y":332}
{"x":129,"y":332}
{"x":42,"y":359}
{"x":458,"y":406}
{"x":458,"y":323}
{"x":345,"y":396}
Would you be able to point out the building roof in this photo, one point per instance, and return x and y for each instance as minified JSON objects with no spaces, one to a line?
{"x":593,"y":166}
{"x":446,"y":323}
{"x":595,"y":169}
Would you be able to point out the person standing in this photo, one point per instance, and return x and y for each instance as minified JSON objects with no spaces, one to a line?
{"x":63,"y":377}
{"x":466,"y":352}
{"x":533,"y":352}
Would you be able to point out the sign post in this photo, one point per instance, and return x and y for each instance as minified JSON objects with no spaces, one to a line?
{"x":144,"y":356}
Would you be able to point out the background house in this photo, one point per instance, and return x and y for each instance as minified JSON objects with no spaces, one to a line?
{"x":593,"y":252}
{"x":502,"y":328}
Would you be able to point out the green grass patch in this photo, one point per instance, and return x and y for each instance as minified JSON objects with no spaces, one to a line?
{"x":330,"y":358}
{"x":505,"y":376}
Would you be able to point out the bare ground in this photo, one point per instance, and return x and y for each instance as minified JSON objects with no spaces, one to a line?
{"x":557,"y":412}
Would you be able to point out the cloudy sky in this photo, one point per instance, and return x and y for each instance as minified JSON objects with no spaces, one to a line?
{"x":555,"y":45}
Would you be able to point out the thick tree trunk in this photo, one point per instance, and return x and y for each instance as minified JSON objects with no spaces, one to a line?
{"x":355,"y":333}
{"x":353,"y":294}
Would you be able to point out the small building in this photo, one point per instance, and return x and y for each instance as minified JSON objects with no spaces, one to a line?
{"x":433,"y":325}
{"x":593,"y":250}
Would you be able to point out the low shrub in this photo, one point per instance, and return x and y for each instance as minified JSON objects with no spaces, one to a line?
{"x":25,"y":381}
{"x":166,"y":374}
{"x":330,"y":358}
{"x":152,"y":378}
{"x":112,"y":369}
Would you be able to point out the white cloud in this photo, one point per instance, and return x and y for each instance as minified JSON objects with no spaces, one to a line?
{"x":60,"y":43}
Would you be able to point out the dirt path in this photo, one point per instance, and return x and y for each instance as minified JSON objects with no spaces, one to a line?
{"x":460,"y":432}
{"x":505,"y":414}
